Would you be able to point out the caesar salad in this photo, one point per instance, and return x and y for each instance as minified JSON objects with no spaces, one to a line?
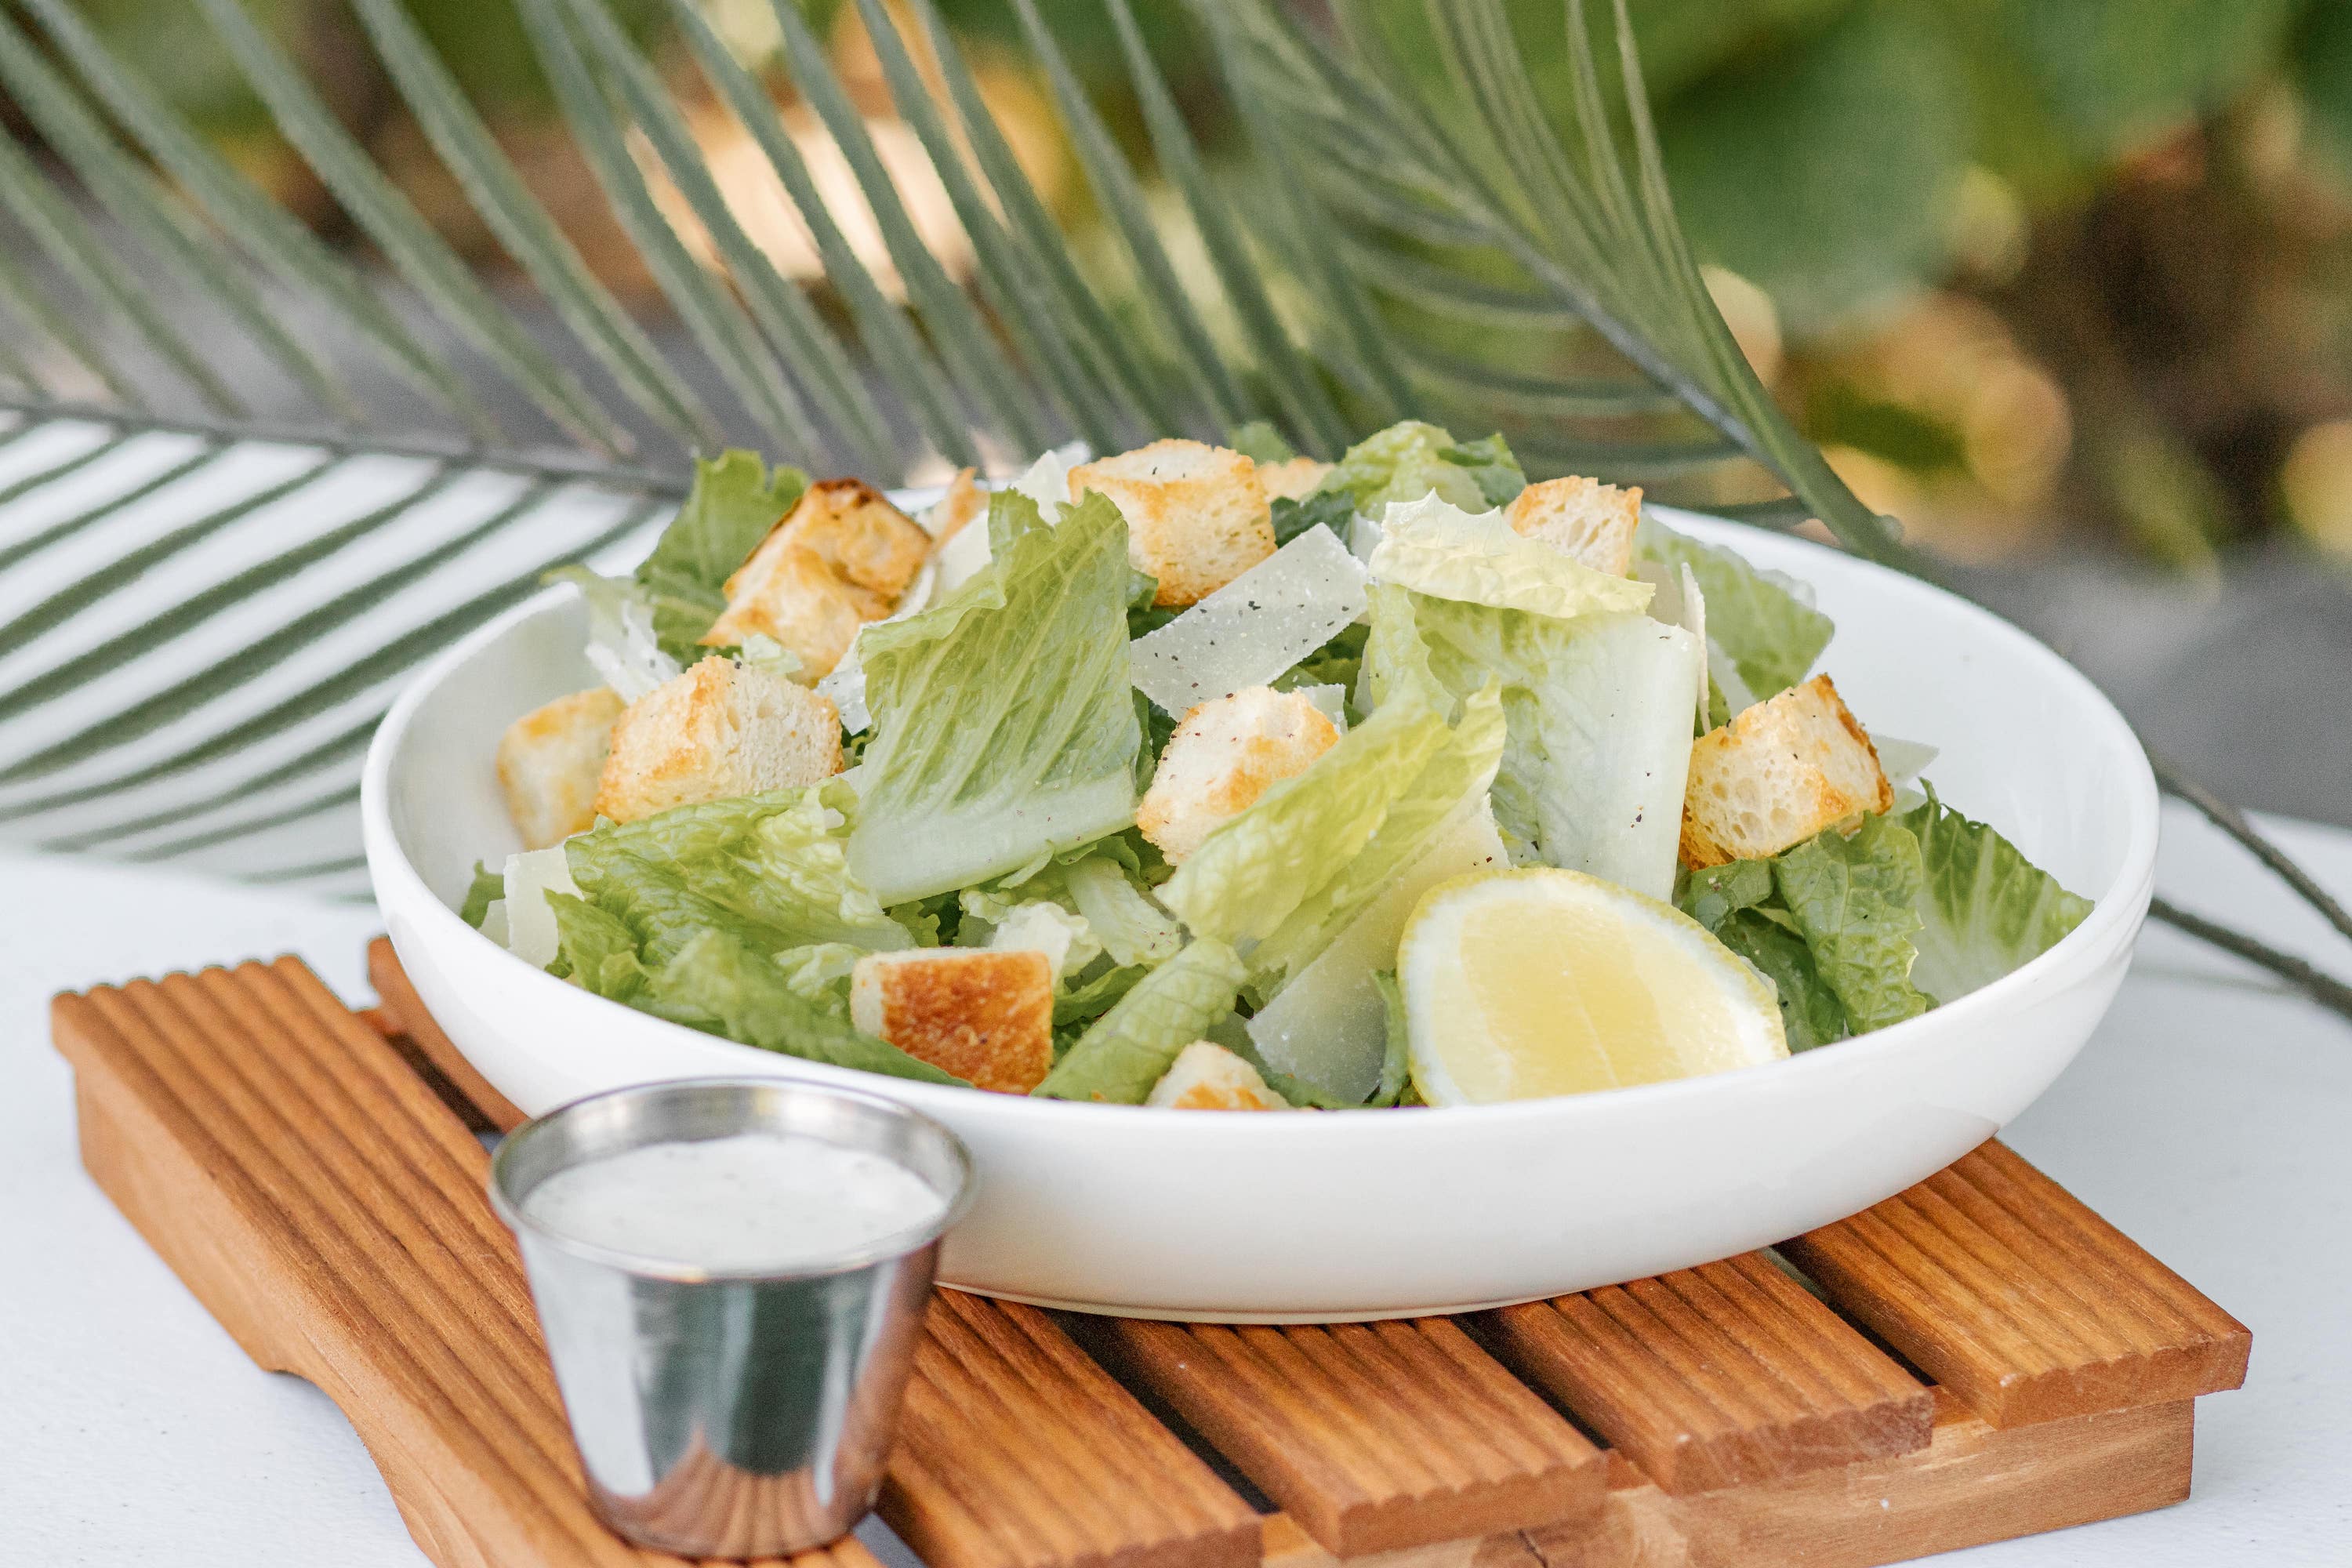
{"x":1220,"y":777}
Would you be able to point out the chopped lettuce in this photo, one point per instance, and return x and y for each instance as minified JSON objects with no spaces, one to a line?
{"x":1328,"y":1024}
{"x":1492,"y":468}
{"x":487,"y":887}
{"x":1764,"y":621}
{"x":1128,"y":1049}
{"x":772,"y":867}
{"x":751,"y":1000}
{"x":1436,"y":547}
{"x":1256,"y":628}
{"x":1334,"y":510}
{"x":1443,"y":802}
{"x":1985,"y":909}
{"x":1855,"y":902}
{"x":1597,"y":712}
{"x":1040,"y":925}
{"x":1259,"y":866}
{"x":1260,"y":442}
{"x":1410,"y":460}
{"x":1810,"y":1013}
{"x":1121,"y":915}
{"x":734,"y":503}
{"x":1396,"y":1060}
{"x":1003,"y":727}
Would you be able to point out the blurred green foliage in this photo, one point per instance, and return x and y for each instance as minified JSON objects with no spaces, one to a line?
{"x":1848,"y":157}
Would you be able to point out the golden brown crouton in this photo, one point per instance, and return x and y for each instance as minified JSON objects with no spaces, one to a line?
{"x":1207,"y":1077}
{"x":549,"y":761}
{"x":1225,"y":754}
{"x":984,"y":1015}
{"x":720,"y":730}
{"x":840,"y":558}
{"x":1294,"y":477}
{"x":964,"y":501}
{"x":1197,"y":517}
{"x":1586,"y":521}
{"x":1778,"y":774}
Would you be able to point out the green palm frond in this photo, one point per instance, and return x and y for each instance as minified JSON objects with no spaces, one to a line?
{"x":253,"y":479}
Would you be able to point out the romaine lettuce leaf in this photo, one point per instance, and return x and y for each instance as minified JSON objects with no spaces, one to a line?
{"x":1332,"y":509}
{"x":1257,"y":868}
{"x":1854,"y":901}
{"x":487,"y":887}
{"x":753,"y":1002}
{"x":1986,"y":909}
{"x":1765,"y":621}
{"x":734,"y":503}
{"x":1492,"y":467}
{"x":1439,"y":804}
{"x":1811,"y":1014}
{"x":1410,"y":460}
{"x":774,"y":867}
{"x":595,"y":949}
{"x":1260,"y":442}
{"x":1128,"y":1049}
{"x":1327,"y":1024}
{"x":1435,"y":548}
{"x":1598,"y":718}
{"x":1003,"y":727}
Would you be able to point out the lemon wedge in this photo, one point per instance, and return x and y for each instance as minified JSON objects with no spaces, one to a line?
{"x":1526,"y":984}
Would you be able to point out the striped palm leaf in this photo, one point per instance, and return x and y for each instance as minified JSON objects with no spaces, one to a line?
{"x":248,"y":481}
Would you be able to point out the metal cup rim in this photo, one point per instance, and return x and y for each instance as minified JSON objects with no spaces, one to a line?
{"x":893,"y":1243}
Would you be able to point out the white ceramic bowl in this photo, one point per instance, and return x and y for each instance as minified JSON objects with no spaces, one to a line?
{"x":1175,"y":1214}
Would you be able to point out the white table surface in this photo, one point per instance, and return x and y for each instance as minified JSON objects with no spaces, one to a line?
{"x":2209,"y":1119}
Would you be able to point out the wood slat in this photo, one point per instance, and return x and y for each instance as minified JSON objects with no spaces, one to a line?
{"x":1372,"y":1437}
{"x":1718,"y":1375}
{"x":1016,"y":1451}
{"x":2008,"y":1290}
{"x":1973,"y":1483}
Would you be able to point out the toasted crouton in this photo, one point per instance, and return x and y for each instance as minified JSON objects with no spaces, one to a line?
{"x":985,"y":1014}
{"x":1778,"y":774}
{"x":721,"y":729}
{"x":1223,"y":756}
{"x":1207,"y":1077}
{"x":1586,"y":521}
{"x":1197,"y":516}
{"x":549,"y":761}
{"x":1294,"y":478}
{"x":840,"y":558}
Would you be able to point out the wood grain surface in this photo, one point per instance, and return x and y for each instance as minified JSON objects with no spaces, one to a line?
{"x":2009,"y":1291}
{"x":1372,"y":1437}
{"x":1719,"y":1375}
{"x":301,"y":1167}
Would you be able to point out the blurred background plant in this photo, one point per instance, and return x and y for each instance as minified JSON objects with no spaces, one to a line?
{"x":2037,"y":276}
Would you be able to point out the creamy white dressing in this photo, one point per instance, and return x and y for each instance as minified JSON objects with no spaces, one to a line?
{"x":753,"y":1202}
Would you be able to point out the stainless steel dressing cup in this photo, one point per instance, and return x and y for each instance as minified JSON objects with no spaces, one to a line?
{"x":730,"y":1414}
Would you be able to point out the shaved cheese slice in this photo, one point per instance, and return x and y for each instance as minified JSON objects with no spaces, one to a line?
{"x":530,"y":876}
{"x":1328,"y":1026}
{"x":1046,"y":481}
{"x":1255,"y":626}
{"x":1693,"y":621}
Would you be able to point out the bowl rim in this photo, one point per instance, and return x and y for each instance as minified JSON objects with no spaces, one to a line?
{"x":2115,"y":916}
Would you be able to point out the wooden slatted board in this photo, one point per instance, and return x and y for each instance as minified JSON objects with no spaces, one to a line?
{"x":1977,"y":1358}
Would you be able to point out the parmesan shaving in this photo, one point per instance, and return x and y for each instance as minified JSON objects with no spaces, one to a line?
{"x":1255,"y":626}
